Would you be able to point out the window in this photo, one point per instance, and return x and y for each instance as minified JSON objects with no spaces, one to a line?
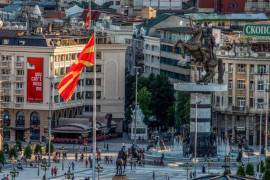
{"x":5,"y":71}
{"x":62,"y":71}
{"x":251,"y":102}
{"x":260,"y":103}
{"x":241,"y":68}
{"x":20,"y":59}
{"x":89,"y":95}
{"x":230,"y":68}
{"x":22,"y":42}
{"x":117,"y":3}
{"x":251,"y":85}
{"x":260,"y":85}
{"x":217,"y":101}
{"x":6,"y":98}
{"x":98,"y":55}
{"x":251,"y":70}
{"x":241,"y":84}
{"x":230,"y":84}
{"x":20,"y":72}
{"x":20,"y":119}
{"x":98,"y":82}
{"x":261,"y":69}
{"x":19,"y":85}
{"x":241,"y":101}
{"x":98,"y":68}
{"x":89,"y":81}
{"x":98,"y":94}
{"x":5,"y":41}
{"x":229,"y":100}
{"x":19,"y":99}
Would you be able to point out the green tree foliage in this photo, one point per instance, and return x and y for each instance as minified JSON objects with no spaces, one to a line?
{"x":144,"y":100}
{"x":38,"y":149}
{"x":266,"y":175}
{"x":241,"y":171}
{"x":27,"y":152}
{"x":19,"y":146}
{"x":47,"y":148}
{"x":250,"y":169}
{"x":182,"y":105}
{"x":2,"y":157}
{"x":162,"y":97}
{"x":262,"y":167}
{"x":6,"y":148}
{"x":267,"y":163}
{"x":13,"y":152}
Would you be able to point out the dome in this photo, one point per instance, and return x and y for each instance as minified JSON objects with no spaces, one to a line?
{"x":37,"y":11}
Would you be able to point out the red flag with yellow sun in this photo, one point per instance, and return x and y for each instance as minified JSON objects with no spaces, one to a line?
{"x":85,"y":59}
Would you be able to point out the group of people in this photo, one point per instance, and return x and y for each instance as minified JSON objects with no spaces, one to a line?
{"x":108,"y":159}
{"x":5,"y":177}
{"x":54,"y":171}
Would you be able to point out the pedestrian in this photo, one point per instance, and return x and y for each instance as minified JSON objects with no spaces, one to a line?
{"x":72,"y":165}
{"x":55,"y":171}
{"x":131,"y":164}
{"x":135,"y":163}
{"x":86,"y":163}
{"x":52,"y":171}
{"x":107,"y":147}
{"x":76,"y":156}
{"x":111,"y":161}
{"x":154,"y":175}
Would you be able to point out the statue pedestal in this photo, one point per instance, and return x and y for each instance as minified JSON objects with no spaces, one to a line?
{"x":120,"y":177}
{"x":201,"y":110}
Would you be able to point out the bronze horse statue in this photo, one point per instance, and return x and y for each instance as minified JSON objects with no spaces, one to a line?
{"x":200,"y":46}
{"x":121,"y":162}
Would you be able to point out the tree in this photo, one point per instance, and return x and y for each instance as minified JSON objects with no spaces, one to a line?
{"x":38,"y":149}
{"x":182,"y":106}
{"x":6,"y":148}
{"x":262,"y":167}
{"x":2,"y":157}
{"x":19,"y":145}
{"x":162,"y":98}
{"x":266,"y":175}
{"x":144,"y":100}
{"x":13,"y":153}
{"x":241,"y":171}
{"x":250,"y":169}
{"x":27,"y":152}
{"x":267,"y":163}
{"x":47,"y":147}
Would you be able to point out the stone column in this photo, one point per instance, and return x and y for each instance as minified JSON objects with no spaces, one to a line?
{"x":226,"y":127}
{"x":254,"y":131}
{"x":27,"y":126}
{"x":233,"y":129}
{"x":247,"y":128}
{"x":12,"y":124}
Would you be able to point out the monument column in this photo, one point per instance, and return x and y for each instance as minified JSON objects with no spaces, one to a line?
{"x":233,"y":128}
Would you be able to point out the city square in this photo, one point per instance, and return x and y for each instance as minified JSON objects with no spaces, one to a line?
{"x":132,"y":89}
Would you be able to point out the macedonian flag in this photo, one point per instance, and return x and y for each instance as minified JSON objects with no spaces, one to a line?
{"x":86,"y":58}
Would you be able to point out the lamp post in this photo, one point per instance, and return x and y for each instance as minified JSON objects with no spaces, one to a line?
{"x":136,"y":103}
{"x":13,"y":173}
{"x":69,"y":175}
{"x":266,"y":117}
{"x":44,"y":166}
{"x":62,"y":150}
{"x":99,"y":169}
{"x":38,"y":161}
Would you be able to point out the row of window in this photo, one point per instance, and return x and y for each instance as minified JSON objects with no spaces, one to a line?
{"x":174,"y":75}
{"x":241,"y":84}
{"x":170,"y":49}
{"x":261,"y":68}
{"x":173,"y":62}
{"x":62,"y":70}
{"x":79,"y":95}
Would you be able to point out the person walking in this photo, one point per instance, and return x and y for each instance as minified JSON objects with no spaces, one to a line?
{"x":52,"y":171}
{"x":154,"y":175}
{"x":86,"y":163}
{"x":72,"y":165}
{"x":76,"y":156}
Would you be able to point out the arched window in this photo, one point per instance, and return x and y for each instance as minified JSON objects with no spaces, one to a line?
{"x":34,"y":119}
{"x":34,"y":123}
{"x":6,"y":118}
{"x":20,"y":119}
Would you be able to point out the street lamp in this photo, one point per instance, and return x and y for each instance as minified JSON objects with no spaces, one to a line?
{"x":136,"y":103}
{"x":69,"y":175}
{"x":44,"y":166}
{"x":196,"y":132}
{"x":38,"y":156}
{"x":13,"y":173}
{"x":99,"y":169}
{"x":62,"y":150}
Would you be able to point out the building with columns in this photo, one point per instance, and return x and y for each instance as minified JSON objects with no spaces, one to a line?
{"x":237,"y":112}
{"x":32,"y":66}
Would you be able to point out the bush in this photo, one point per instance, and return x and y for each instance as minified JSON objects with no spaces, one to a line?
{"x":6,"y":148}
{"x":47,"y":148}
{"x":241,"y":171}
{"x":13,"y":153}
{"x":267,"y":163}
{"x":250,"y":169}
{"x":2,"y":157}
{"x":266,"y":175}
{"x":19,"y":146}
{"x":38,"y":149}
{"x":262,"y":167}
{"x":27,"y":152}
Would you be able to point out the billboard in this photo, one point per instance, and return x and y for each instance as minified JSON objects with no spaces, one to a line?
{"x":257,"y":30}
{"x":34,"y":79}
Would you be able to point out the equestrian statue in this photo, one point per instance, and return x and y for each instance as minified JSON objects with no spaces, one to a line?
{"x":121,"y":162}
{"x":201,"y":47}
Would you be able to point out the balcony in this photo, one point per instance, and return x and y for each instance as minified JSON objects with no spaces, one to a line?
{"x":239,"y":109}
{"x":19,"y":78}
{"x":18,"y":105}
{"x":19,"y":64}
{"x":19,"y":91}
{"x":5,"y":77}
{"x":5,"y":64}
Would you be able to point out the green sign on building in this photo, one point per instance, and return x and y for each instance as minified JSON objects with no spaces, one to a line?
{"x":257,"y":30}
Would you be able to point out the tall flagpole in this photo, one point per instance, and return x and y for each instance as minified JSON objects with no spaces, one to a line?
{"x":94,"y":99}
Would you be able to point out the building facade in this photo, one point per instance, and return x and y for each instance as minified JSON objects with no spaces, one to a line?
{"x":32,"y":67}
{"x":237,"y":112}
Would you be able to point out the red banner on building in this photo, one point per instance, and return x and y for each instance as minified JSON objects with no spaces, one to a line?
{"x":34,"y":79}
